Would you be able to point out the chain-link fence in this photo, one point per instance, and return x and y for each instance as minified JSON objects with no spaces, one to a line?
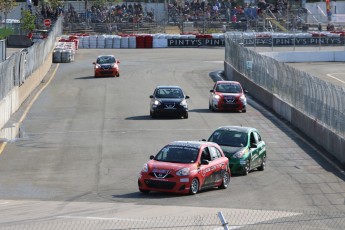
{"x":320,"y":100}
{"x":236,"y":219}
{"x":20,"y":65}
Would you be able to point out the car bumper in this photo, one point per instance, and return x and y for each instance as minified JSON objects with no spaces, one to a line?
{"x":228,"y":107}
{"x":180,"y":185}
{"x":237,"y":166}
{"x":178,"y":111}
{"x":105,"y":73}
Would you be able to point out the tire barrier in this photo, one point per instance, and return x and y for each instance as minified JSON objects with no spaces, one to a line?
{"x":64,"y":52}
{"x":132,"y":41}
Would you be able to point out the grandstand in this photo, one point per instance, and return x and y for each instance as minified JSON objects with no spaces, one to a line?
{"x":197,"y":16}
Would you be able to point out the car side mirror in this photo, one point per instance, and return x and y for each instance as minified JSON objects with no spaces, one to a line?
{"x":211,"y":90}
{"x":203,"y":139}
{"x":151,"y":157}
{"x":94,"y":63}
{"x":118,"y":62}
{"x":151,"y":96}
{"x":204,"y":162}
{"x":245,"y":91}
{"x":253,"y":145}
{"x":187,"y":97}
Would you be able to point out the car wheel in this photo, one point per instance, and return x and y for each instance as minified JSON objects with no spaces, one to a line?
{"x":118,"y":75}
{"x":152,"y":114}
{"x":194,"y":186}
{"x":244,"y":110}
{"x":246,"y":168}
{"x":144,"y":190}
{"x":226,"y":181}
{"x":186,"y":115}
{"x":263,"y":164}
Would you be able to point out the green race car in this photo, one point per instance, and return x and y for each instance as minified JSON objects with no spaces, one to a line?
{"x":243,"y":146}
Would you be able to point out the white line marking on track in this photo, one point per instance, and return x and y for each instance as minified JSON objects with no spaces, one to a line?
{"x":97,"y":218}
{"x":329,"y":75}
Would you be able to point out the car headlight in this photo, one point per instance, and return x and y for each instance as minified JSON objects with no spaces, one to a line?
{"x":114,"y":65}
{"x":243,"y":99}
{"x":157,"y":102}
{"x":97,"y":66}
{"x":145,"y":168}
{"x":183,"y":172}
{"x":184,"y":103}
{"x":216,"y":97}
{"x":239,"y":154}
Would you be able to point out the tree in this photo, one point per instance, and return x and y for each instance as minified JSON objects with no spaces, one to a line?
{"x":6,"y":6}
{"x":27,"y":21}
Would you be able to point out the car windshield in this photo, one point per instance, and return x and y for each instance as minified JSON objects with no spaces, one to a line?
{"x":169,"y":93}
{"x":232,"y":138}
{"x":228,"y":88}
{"x":105,"y":59}
{"x":178,"y":154}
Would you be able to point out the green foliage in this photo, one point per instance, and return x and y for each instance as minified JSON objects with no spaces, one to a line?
{"x":6,"y":6}
{"x":5,"y":32}
{"x":27,"y":21}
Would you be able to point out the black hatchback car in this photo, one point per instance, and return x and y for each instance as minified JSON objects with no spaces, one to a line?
{"x":169,"y":100}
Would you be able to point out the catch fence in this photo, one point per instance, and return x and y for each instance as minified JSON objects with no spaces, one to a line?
{"x":20,"y":65}
{"x":236,"y":219}
{"x":319,"y":99}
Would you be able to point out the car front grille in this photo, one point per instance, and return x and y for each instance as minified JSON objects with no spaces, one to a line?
{"x":160,"y":184}
{"x":157,"y":175}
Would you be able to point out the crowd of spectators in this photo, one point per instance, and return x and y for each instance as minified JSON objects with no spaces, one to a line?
{"x":223,"y":10}
{"x":132,"y":13}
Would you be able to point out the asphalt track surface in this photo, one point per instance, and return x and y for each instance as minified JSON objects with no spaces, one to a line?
{"x":84,"y":140}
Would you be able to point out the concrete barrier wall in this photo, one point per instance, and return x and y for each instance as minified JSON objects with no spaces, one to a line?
{"x":295,"y":56}
{"x":321,"y":135}
{"x":12,"y":102}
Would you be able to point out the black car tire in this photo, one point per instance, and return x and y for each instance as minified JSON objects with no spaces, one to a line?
{"x":263,"y":164}
{"x":246,"y":168}
{"x":152,"y":114}
{"x":244,"y":110}
{"x":118,"y":75}
{"x":194,"y":186}
{"x":144,"y":190}
{"x":225,"y":181}
{"x":186,"y":115}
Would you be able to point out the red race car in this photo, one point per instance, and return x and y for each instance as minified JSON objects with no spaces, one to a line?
{"x":106,"y":65}
{"x":185,"y":167}
{"x":228,"y":96}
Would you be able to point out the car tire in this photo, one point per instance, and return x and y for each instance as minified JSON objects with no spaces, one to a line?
{"x":118,"y":75}
{"x":225,"y":181}
{"x":244,"y":110}
{"x":144,"y":191}
{"x":194,"y":186}
{"x":186,"y":115}
{"x":246,"y":168}
{"x":152,"y":114}
{"x":263,"y":164}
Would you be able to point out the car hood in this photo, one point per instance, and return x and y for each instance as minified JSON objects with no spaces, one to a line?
{"x":165,"y":167}
{"x":229,"y":94}
{"x":230,"y":150}
{"x":175,"y":100}
{"x":106,"y":64}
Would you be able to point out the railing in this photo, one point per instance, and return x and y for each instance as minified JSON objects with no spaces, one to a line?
{"x":315,"y":97}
